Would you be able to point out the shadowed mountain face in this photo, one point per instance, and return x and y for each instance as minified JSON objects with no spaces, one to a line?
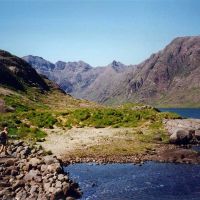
{"x":169,"y":77}
{"x":18,"y":74}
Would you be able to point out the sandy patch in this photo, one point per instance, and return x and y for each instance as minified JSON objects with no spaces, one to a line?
{"x":61,"y":141}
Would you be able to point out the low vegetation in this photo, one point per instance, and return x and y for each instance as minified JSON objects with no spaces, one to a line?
{"x":30,"y":115}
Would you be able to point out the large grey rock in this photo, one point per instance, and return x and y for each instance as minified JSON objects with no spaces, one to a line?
{"x":181,"y":136}
{"x":61,"y":177}
{"x":183,"y":131}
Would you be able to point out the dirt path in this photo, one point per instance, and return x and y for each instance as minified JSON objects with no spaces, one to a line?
{"x":60,"y":141}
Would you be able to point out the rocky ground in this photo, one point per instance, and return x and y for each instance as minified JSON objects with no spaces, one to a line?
{"x":161,"y":153}
{"x":28,"y":173}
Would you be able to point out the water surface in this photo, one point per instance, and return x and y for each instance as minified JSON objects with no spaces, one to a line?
{"x":151,"y":181}
{"x":184,"y":112}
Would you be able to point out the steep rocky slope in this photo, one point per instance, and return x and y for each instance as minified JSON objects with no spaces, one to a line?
{"x":167,"y":78}
{"x":18,"y":74}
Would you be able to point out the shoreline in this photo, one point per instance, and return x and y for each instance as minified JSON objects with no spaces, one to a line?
{"x":163,"y":154}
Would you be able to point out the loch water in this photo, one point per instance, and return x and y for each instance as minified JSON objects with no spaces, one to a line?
{"x":184,"y":112}
{"x":151,"y":181}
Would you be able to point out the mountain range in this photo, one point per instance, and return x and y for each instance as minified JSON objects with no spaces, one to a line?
{"x":169,"y":77}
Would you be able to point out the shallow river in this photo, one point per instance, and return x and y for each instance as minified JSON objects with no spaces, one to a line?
{"x":151,"y":181}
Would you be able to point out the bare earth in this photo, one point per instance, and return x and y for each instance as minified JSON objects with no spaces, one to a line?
{"x":64,"y":142}
{"x":61,"y":142}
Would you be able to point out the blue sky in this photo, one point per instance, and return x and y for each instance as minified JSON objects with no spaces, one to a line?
{"x":95,"y":31}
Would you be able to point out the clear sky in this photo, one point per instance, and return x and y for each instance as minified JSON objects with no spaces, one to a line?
{"x":95,"y":31}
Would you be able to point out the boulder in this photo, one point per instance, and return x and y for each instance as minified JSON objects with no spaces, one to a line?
{"x":9,"y":162}
{"x":33,"y":189}
{"x":34,"y":162}
{"x":181,"y":136}
{"x":55,"y":167}
{"x":46,"y":186}
{"x":58,"y":184}
{"x":61,"y":177}
{"x":31,"y":175}
{"x":66,"y":188}
{"x":50,"y":160}
{"x":20,"y":148}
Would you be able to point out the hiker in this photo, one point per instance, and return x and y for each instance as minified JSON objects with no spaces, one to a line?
{"x":3,"y":139}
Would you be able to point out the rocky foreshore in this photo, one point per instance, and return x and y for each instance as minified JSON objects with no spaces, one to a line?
{"x":28,"y":173}
{"x":168,"y":153}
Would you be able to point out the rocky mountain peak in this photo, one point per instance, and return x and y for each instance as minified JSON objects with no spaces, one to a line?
{"x":39,"y":63}
{"x":117,"y":66}
{"x":72,"y":66}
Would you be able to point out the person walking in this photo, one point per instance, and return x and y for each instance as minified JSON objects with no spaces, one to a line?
{"x":4,"y":140}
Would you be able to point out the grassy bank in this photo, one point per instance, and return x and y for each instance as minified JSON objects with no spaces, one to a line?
{"x":30,"y":115}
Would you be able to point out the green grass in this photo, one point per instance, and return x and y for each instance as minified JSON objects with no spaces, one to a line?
{"x":40,"y":119}
{"x":31,"y":114}
{"x":19,"y":129}
{"x":114,"y":117}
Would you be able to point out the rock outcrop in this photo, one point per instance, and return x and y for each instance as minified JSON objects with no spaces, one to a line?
{"x":183,"y":131}
{"x":30,"y":174}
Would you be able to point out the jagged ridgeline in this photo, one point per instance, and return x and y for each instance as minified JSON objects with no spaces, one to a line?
{"x":169,"y":77}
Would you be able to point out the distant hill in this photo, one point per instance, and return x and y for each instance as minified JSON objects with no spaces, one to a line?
{"x":167,"y":78}
{"x":23,"y":89}
{"x":18,"y":74}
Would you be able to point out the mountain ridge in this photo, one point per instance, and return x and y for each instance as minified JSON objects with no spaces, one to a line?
{"x":169,"y":77}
